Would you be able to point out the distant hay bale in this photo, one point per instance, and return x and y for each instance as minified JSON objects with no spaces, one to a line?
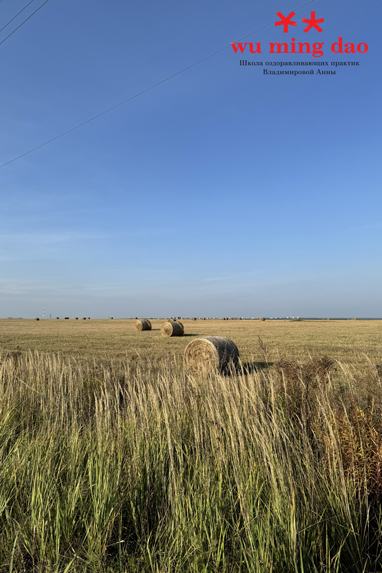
{"x":210,"y":354}
{"x":111,"y":318}
{"x":76,"y":318}
{"x":172,"y":328}
{"x":261,"y":318}
{"x":66,"y":318}
{"x":37,"y":319}
{"x":193,"y":318}
{"x":176,"y":321}
{"x":203,"y":319}
{"x":83,"y":318}
{"x":143,"y":324}
{"x":57,"y":318}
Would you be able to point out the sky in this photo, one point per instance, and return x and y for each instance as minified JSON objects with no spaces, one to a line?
{"x":223,"y":191}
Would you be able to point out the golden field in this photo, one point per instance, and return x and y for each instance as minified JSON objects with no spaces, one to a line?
{"x":347,"y":340}
{"x":115,"y":460}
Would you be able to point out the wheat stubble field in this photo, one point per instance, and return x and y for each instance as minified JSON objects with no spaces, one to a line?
{"x":344,"y":340}
{"x":112,"y":458}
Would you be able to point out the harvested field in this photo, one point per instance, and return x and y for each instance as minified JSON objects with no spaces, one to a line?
{"x":348,"y":341}
{"x":105,"y":438}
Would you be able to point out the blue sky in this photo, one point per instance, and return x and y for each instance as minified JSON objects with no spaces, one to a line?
{"x":221,"y":192}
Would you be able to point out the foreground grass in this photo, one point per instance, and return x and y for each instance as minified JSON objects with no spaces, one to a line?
{"x":121,"y":465}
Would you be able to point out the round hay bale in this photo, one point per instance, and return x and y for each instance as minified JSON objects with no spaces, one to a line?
{"x":84,"y":318}
{"x":172,"y":328}
{"x":177,"y":322}
{"x":76,"y":318}
{"x":143,"y":324}
{"x":193,"y":318}
{"x":57,"y":318}
{"x":210,"y":354}
{"x":261,"y":318}
{"x":37,"y":319}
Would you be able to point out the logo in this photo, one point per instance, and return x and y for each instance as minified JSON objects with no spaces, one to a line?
{"x":316,"y":49}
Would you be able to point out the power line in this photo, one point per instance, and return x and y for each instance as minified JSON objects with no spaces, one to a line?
{"x":23,"y":22}
{"x":141,"y":92}
{"x":18,"y":13}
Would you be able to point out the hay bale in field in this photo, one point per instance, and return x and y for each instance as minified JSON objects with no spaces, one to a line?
{"x":175,"y":320}
{"x":76,"y":318}
{"x":57,"y":318}
{"x":66,"y":318}
{"x":193,"y":318}
{"x":172,"y":328}
{"x":37,"y":319}
{"x":143,"y":324}
{"x":111,"y":318}
{"x":83,"y":318}
{"x":210,"y":354}
{"x":261,"y":318}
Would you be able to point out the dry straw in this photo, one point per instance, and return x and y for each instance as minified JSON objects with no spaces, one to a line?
{"x":172,"y":328}
{"x":210,"y":354}
{"x":143,"y":324}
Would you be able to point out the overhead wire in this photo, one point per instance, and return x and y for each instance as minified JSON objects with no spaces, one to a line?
{"x":78,"y":126}
{"x":18,"y":13}
{"x":23,"y":22}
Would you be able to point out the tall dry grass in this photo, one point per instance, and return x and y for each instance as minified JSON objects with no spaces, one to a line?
{"x":133,"y":466}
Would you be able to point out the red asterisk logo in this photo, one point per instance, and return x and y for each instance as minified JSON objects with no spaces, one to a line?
{"x":285,"y":21}
{"x":313,"y":22}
